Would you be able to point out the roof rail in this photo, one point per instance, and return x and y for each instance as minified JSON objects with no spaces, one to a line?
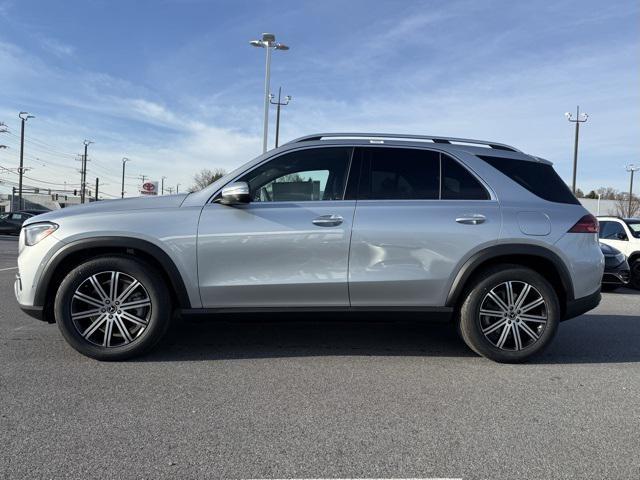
{"x":450,"y":140}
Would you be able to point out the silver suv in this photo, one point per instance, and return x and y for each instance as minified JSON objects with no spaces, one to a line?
{"x":479,"y":232}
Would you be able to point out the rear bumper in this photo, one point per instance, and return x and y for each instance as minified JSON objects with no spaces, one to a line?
{"x":582,"y":305}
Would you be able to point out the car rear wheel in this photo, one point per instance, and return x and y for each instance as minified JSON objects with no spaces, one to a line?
{"x":510,"y":314}
{"x":113,"y":308}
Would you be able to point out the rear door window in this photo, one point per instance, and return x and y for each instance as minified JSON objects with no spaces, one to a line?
{"x":415,"y":174}
{"x":537,"y":177}
{"x":458,"y":183}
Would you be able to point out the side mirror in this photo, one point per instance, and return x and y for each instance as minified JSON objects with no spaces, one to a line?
{"x":621,"y":236}
{"x":236,"y":193}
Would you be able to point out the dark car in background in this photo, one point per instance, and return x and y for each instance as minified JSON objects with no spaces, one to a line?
{"x":616,"y":268}
{"x":11,"y":222}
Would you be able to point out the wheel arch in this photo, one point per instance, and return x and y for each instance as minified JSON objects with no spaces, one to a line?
{"x":634,"y":256}
{"x":539,"y":259}
{"x":74,"y":253}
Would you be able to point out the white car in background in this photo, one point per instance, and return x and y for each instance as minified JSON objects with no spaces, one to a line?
{"x":624,"y":234}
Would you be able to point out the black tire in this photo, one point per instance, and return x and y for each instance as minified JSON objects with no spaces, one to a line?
{"x":635,"y":274}
{"x":157,"y":314}
{"x":471,"y":323}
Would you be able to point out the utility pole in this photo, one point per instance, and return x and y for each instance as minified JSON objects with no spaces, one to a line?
{"x":162,"y":183}
{"x":177,"y":189}
{"x":279,"y":104}
{"x":580,"y":118}
{"x":269,"y":43}
{"x":631,"y":168}
{"x":142,"y":177}
{"x":83,"y":186}
{"x":23,"y":116}
{"x":170,"y":190}
{"x":124,"y":162}
{"x":97,"y":185}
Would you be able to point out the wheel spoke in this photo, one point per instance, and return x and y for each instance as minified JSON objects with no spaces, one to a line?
{"x":87,"y":299}
{"x":510,"y":299}
{"x":503,"y":336}
{"x":113,"y":285}
{"x":528,"y":331}
{"x":523,"y":295}
{"x":516,"y":336}
{"x":133,"y":319}
{"x":494,"y":327}
{"x":94,"y":326}
{"x":533,"y":318}
{"x":137,"y":304}
{"x":86,"y":314}
{"x":128,"y":291}
{"x":498,"y":301}
{"x":123,"y":329}
{"x":491,"y":313}
{"x":532,"y":305}
{"x":107,"y":333}
{"x":98,"y":288}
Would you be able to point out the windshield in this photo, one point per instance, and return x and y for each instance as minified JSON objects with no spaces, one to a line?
{"x":3,"y":216}
{"x":634,"y":226}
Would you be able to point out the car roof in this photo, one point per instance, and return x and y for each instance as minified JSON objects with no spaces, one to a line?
{"x":453,"y":144}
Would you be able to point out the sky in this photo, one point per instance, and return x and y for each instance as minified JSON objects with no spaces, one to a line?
{"x":175,"y":86}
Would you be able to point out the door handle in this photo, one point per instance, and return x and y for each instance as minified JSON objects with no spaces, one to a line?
{"x":475,"y":219}
{"x":328,"y":220}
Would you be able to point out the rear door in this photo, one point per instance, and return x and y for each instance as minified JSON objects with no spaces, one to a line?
{"x":419,"y":212}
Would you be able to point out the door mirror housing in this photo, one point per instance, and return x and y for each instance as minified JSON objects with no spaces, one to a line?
{"x":236,"y":193}
{"x":621,"y":236}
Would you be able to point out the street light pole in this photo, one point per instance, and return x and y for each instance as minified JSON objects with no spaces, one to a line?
{"x":83,"y":187}
{"x":124,"y":163}
{"x":631,"y":168}
{"x":23,"y":116}
{"x":580,"y":118}
{"x":269,"y":43}
{"x":162,"y":181}
{"x":279,"y":104}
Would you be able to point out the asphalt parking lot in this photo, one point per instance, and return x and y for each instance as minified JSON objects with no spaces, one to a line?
{"x":322,"y":397}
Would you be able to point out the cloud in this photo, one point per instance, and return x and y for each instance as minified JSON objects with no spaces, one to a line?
{"x":55,"y":47}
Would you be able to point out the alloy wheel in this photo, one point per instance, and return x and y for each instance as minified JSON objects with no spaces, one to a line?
{"x":111,"y":309}
{"x":513,"y":315}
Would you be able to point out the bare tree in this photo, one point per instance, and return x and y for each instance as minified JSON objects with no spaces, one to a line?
{"x":206,"y":177}
{"x":622,"y":206}
{"x":608,"y":193}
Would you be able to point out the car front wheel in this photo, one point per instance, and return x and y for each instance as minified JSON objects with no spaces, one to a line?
{"x":510,"y":314}
{"x":113,"y":308}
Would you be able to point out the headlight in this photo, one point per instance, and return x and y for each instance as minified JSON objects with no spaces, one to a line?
{"x":36,"y":232}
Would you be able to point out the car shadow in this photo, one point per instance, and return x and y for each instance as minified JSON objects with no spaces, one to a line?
{"x":587,"y":339}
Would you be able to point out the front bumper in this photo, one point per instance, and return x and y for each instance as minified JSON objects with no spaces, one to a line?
{"x":616,"y":274}
{"x":32,"y":311}
{"x":582,"y":305}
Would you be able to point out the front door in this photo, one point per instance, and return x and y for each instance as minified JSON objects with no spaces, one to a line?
{"x":289,"y":246}
{"x":419,"y":213}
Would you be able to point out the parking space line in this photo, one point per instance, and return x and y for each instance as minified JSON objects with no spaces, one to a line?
{"x":10,"y":268}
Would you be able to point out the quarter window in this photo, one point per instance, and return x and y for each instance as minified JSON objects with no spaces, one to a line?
{"x":301,"y":176}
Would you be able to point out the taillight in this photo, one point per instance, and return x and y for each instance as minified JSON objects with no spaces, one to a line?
{"x":587,"y":224}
